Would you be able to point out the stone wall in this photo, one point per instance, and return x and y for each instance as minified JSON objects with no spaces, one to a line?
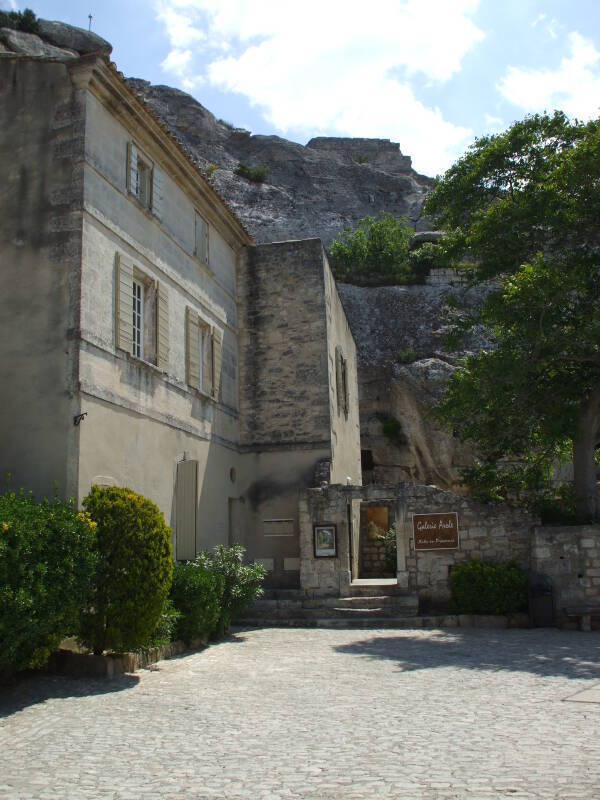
{"x":493,"y":533}
{"x":283,"y":346}
{"x":42,"y":133}
{"x":570,"y":557}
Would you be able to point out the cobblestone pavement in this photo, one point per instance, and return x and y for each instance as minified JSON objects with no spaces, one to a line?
{"x":320,"y":714}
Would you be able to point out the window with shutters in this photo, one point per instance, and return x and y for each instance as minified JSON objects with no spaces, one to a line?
{"x":201,"y":240}
{"x":144,"y":180}
{"x":203,"y":355}
{"x":142,"y":314}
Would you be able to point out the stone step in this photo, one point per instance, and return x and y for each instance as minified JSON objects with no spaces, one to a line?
{"x":372,"y":601}
{"x":327,"y":612}
{"x":406,"y":622}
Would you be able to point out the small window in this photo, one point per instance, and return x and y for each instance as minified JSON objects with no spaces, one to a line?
{"x":341,"y":382}
{"x":201,"y":242}
{"x":140,"y":171}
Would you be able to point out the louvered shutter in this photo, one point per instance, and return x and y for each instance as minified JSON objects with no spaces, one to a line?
{"x":201,"y":238}
{"x":217,"y":358}
{"x":193,"y":349}
{"x":158,"y":191}
{"x":339,"y":386}
{"x":124,"y":304}
{"x":132,"y":168}
{"x":162,"y":327}
{"x":207,"y":361}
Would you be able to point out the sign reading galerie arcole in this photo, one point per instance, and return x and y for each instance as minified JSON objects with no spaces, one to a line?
{"x":436,"y":531}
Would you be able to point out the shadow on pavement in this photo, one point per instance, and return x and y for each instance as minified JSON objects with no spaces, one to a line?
{"x":547,"y":653}
{"x":31,"y":688}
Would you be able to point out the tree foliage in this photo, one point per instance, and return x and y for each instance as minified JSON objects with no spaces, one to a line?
{"x":376,"y":246}
{"x":524,"y":207}
{"x":25,"y":20}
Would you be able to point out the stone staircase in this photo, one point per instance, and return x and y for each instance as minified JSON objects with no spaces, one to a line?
{"x":369,"y":604}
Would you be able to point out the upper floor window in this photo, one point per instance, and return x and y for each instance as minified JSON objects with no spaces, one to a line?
{"x":204,"y":347}
{"x":144,"y":180}
{"x":142,"y":314}
{"x":201,"y":239}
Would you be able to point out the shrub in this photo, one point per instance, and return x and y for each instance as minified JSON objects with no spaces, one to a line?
{"x":376,"y":246}
{"x":196,"y":593}
{"x":165,"y":631}
{"x":25,"y":21}
{"x":479,"y":587}
{"x":390,"y":542}
{"x":255,"y":174}
{"x":133,"y":577}
{"x":242,"y":583}
{"x":392,"y":429}
{"x":46,"y":566}
{"x":406,"y":356}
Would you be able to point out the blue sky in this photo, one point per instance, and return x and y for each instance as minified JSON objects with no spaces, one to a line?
{"x":430,"y":74}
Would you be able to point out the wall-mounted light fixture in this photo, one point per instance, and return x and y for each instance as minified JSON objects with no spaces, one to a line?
{"x":78,"y":417}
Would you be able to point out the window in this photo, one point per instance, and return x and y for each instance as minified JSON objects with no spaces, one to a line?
{"x":201,"y":240}
{"x":144,"y":180}
{"x":137,"y":345}
{"x":203,"y":355}
{"x":142,"y":314}
{"x":341,"y":382}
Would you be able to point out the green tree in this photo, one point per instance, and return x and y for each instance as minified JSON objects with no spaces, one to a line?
{"x":377,"y":245}
{"x":524,"y":207}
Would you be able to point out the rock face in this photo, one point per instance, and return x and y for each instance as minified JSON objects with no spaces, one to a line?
{"x":55,"y":40}
{"x":312,"y":190}
{"x":403,"y":368}
{"x":28,"y":44}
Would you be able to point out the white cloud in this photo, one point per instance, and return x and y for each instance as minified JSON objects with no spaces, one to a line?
{"x":573,"y":87}
{"x":494,"y":124}
{"x":334,"y":66}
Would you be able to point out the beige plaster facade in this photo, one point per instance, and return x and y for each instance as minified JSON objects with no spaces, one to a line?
{"x":229,"y":361}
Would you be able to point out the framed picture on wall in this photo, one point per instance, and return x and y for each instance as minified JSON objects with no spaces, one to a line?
{"x":325,"y":541}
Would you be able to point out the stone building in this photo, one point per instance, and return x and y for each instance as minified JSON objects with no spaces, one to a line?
{"x":144,"y":340}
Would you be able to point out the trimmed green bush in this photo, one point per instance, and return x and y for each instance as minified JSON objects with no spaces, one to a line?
{"x":46,"y":566}
{"x":196,"y":593}
{"x":242,"y":583}
{"x":133,"y":577}
{"x":479,"y":587}
{"x":390,"y":543}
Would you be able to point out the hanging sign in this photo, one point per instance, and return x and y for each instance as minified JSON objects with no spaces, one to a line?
{"x":436,"y":531}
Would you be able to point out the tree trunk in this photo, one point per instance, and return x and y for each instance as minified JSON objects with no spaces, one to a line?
{"x":584,"y":465}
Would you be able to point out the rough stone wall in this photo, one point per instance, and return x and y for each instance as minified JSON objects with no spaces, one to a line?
{"x":42,"y":131}
{"x":490,"y":533}
{"x":284,"y":397}
{"x":570,"y":557}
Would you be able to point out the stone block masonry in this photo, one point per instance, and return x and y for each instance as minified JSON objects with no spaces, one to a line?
{"x":283,"y":345}
{"x":570,"y":557}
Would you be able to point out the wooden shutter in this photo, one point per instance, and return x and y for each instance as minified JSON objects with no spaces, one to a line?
{"x":157,"y":192}
{"x":339,"y":387}
{"x":132,"y":168}
{"x":201,"y":238}
{"x":217,"y":358}
{"x":162,"y":327}
{"x":207,"y":361}
{"x":186,"y":501}
{"x":193,"y":348}
{"x":124,"y":304}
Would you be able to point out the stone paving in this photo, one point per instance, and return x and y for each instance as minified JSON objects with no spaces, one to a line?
{"x":280,"y":714}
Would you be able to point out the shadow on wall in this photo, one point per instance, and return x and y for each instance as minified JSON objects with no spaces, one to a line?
{"x":547,"y":653}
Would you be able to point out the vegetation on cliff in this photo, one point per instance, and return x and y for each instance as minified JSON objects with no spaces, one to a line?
{"x":524,"y":205}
